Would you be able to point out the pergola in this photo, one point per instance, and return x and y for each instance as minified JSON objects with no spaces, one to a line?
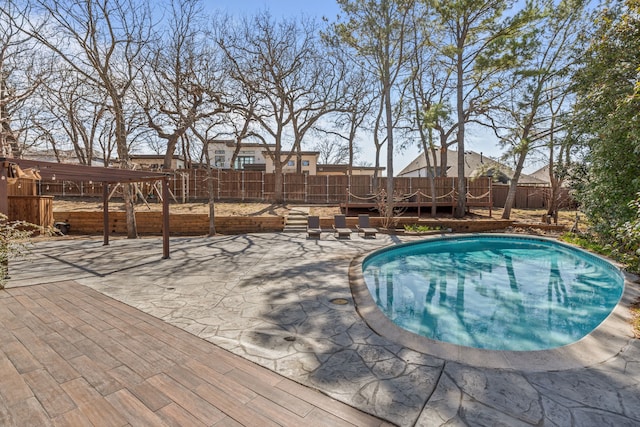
{"x":107,"y":176}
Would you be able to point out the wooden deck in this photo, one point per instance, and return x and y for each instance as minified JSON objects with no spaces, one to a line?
{"x":74,"y":357}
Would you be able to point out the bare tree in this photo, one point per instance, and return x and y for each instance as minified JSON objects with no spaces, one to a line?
{"x":20,"y":75}
{"x":476,"y":42}
{"x":354,"y":111}
{"x":281,"y":69}
{"x":77,"y":114}
{"x":332,"y":151}
{"x":181,"y":84}
{"x":376,"y":31}
{"x":103,"y":42}
{"x":540,"y":88}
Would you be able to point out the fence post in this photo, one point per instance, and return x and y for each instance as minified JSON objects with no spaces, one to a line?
{"x":263,"y":177}
{"x":346,"y":203}
{"x":242,"y":183}
{"x":490,"y":196}
{"x":306,"y":189}
{"x":326,"y":180}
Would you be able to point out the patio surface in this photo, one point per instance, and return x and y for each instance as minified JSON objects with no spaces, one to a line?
{"x":268,"y":299}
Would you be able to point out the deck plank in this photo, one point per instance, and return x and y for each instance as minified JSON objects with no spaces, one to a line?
{"x":86,"y":359}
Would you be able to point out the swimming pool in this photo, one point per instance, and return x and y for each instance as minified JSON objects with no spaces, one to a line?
{"x":493,"y":292}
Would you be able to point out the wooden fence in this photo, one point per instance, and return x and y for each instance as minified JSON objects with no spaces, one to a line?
{"x":230,"y":185}
{"x":530,"y":197}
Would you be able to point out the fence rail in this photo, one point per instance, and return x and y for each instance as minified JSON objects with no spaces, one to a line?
{"x":192,"y":185}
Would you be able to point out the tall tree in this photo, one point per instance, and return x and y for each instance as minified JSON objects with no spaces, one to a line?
{"x":103,"y":42}
{"x":606,"y":116}
{"x":75,"y":115}
{"x":20,"y":75}
{"x":477,"y":43}
{"x":377,"y":32}
{"x":540,"y":86}
{"x":281,"y":69}
{"x":182,"y":83}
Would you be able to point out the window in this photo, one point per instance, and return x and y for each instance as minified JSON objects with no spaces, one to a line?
{"x":219,"y":151}
{"x":305,"y":163}
{"x":219,"y":161}
{"x":291,"y":163}
{"x":244,"y":160}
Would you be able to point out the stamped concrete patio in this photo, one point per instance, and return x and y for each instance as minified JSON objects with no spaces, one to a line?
{"x":268,"y":298}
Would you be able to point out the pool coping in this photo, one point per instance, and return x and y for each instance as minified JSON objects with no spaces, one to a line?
{"x":602,"y":344}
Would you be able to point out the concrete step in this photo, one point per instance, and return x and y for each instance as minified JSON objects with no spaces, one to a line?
{"x":296,"y":221}
{"x":294,"y":229}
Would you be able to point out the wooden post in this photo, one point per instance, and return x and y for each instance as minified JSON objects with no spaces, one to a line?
{"x":165,"y":218}
{"x":346,"y":203}
{"x":490,"y":197}
{"x":105,"y":212}
{"x":4,"y":189}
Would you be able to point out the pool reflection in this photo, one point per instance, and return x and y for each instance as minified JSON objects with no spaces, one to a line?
{"x":493,"y":293}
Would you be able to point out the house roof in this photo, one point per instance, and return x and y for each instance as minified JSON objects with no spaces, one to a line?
{"x":542,"y":174}
{"x":476,"y":164}
{"x":343,"y":167}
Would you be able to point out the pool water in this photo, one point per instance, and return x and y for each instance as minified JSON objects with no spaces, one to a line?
{"x":494,"y":292}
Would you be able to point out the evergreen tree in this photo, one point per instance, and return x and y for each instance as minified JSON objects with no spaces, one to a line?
{"x":606,"y":114}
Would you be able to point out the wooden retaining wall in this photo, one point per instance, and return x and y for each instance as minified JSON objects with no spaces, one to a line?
{"x":179,"y":224}
{"x":150,"y":223}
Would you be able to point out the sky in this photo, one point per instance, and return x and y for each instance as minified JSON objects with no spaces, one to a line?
{"x":478,"y":140}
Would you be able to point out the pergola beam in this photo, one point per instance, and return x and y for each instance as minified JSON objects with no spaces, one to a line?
{"x":72,"y":172}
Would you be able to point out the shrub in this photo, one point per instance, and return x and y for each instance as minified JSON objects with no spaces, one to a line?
{"x":15,"y":237}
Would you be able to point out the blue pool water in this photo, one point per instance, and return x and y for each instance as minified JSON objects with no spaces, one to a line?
{"x":494,"y":292}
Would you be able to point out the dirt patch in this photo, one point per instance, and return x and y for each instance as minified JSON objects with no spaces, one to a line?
{"x":533,"y":216}
{"x":221,"y":208}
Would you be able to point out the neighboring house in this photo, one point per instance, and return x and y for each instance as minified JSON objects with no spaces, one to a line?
{"x":344,"y":170}
{"x":476,"y":164}
{"x":155,"y":161}
{"x":542,"y":174}
{"x":253,"y":156}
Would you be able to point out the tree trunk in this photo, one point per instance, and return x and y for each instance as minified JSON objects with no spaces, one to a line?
{"x":278,"y":193}
{"x":513,"y":186}
{"x":210,"y":192}
{"x":172,"y":142}
{"x":212,"y":211}
{"x":129,"y":197}
{"x":123,"y":153}
{"x":461,"y":208}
